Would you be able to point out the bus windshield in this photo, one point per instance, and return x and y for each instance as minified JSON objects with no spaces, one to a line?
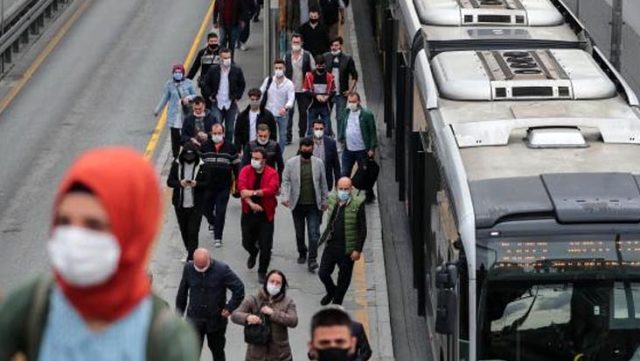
{"x":559,"y":299}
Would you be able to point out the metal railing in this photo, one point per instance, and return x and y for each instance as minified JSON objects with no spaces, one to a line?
{"x":26,"y":21}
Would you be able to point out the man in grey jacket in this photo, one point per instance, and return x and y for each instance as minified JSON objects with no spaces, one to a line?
{"x":304,"y":191}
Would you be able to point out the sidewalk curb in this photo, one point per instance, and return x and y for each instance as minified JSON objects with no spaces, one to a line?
{"x":377,"y":291}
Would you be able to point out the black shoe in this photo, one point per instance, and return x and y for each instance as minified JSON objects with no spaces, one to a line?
{"x":326,"y":299}
{"x":370,"y":198}
{"x":302,"y":259}
{"x":262,"y":277}
{"x":251,"y":262}
{"x":313,"y":266}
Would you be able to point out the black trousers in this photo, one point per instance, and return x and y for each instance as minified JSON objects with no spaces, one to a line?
{"x":189,"y":220}
{"x":245,"y":31}
{"x":331,"y":258}
{"x":176,"y":141}
{"x":215,"y":209}
{"x":257,"y":237}
{"x":311,"y":217}
{"x":216,"y":341}
{"x":303,"y":101}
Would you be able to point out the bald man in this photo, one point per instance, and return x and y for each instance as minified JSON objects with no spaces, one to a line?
{"x":204,"y":284}
{"x":345,"y":236}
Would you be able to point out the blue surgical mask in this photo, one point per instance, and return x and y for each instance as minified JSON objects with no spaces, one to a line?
{"x":344,"y":196}
{"x":178,"y":76}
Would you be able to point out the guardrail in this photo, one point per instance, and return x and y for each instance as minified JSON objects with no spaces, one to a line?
{"x":26,"y":21}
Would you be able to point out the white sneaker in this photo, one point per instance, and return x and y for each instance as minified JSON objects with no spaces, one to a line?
{"x":217,"y":243}
{"x":242,"y":46}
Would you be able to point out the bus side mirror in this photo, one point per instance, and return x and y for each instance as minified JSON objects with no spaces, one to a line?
{"x":446,"y":312}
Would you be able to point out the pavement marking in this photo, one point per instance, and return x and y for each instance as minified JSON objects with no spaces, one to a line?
{"x":24,"y":79}
{"x":162,"y":121}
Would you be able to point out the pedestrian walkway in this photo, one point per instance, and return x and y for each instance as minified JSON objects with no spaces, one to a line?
{"x":367,"y":297}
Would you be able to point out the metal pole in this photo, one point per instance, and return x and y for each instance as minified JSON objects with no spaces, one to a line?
{"x":616,"y":33}
{"x":266,"y":37}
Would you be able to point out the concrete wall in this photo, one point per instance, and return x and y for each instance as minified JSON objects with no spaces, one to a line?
{"x":596,"y":15}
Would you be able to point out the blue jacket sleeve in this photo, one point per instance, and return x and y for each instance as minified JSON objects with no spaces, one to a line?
{"x":234,"y":284}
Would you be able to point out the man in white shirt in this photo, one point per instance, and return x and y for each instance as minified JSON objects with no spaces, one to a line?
{"x":278,"y":96}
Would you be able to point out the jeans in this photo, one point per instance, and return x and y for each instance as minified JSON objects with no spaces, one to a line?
{"x":319,"y":111}
{"x":282,"y":131}
{"x":228,"y":118}
{"x":229,"y":35}
{"x":340,"y":102}
{"x":176,"y":141}
{"x":331,"y":258}
{"x":257,"y":237}
{"x":215,"y":209}
{"x":216,"y":341}
{"x":303,"y":101}
{"x":313,"y":217}
{"x":189,"y":220}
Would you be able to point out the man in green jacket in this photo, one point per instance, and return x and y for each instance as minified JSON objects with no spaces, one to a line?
{"x":345,"y":235}
{"x":357,"y":133}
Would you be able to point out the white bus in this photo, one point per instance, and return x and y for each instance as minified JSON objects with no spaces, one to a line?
{"x":518,"y":156}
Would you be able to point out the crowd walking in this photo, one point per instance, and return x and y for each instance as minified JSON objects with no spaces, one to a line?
{"x":108,"y":209}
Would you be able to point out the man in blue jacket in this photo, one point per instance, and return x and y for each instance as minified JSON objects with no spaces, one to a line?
{"x":204,"y":284}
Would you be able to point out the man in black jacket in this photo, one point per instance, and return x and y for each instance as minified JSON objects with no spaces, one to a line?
{"x":344,"y":71}
{"x":249,"y":120}
{"x":326,"y":149}
{"x":224,"y":85}
{"x":274,"y":153}
{"x":197,"y":125}
{"x":204,"y":284}
{"x":315,"y":34}
{"x":221,"y":164}
{"x":206,"y":58}
{"x":298,"y":62}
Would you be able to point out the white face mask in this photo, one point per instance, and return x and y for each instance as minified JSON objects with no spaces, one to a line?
{"x":335,"y":52}
{"x":263,"y":142}
{"x":318,"y":133}
{"x":352,"y":106}
{"x":83,"y":257}
{"x":273,"y":289}
{"x":226,"y":63}
{"x":202,"y":270}
{"x":256,"y":164}
{"x":296,"y":47}
{"x":279,"y":73}
{"x":217,"y":138}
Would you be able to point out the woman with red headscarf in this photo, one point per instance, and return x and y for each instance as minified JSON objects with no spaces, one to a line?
{"x":98,"y":304}
{"x":177,"y":94}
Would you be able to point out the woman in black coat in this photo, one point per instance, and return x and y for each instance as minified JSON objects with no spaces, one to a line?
{"x":188,"y":180}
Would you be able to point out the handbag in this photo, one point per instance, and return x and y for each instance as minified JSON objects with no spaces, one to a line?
{"x":366,"y":175}
{"x":187,"y":109}
{"x":258,"y":334}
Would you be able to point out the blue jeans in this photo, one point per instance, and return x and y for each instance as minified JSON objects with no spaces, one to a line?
{"x":319,"y":111}
{"x":229,"y":36}
{"x":226,"y":117}
{"x":340,"y":102}
{"x":282,"y":131}
{"x":349,"y":159}
{"x":313,"y":217}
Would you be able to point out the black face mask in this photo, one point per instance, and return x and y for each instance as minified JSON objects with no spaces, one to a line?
{"x":313,"y":21}
{"x":333,"y":354}
{"x":189,"y":157}
{"x":306,"y":155}
{"x":213,"y":47}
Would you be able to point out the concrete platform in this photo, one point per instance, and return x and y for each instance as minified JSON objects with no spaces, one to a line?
{"x":367,"y":300}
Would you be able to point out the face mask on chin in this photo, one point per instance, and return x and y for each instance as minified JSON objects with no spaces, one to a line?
{"x":202,"y":270}
{"x":263,"y":141}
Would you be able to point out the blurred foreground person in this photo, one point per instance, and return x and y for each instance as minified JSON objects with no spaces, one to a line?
{"x":274,"y":310}
{"x":332,"y":337}
{"x":98,"y":304}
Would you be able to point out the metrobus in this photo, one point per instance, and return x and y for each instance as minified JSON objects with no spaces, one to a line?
{"x":517,"y":154}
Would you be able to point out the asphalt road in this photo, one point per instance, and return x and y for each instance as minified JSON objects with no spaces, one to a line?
{"x":98,"y":87}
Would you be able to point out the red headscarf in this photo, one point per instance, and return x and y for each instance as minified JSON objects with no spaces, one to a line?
{"x":179,"y":67}
{"x":127,"y":186}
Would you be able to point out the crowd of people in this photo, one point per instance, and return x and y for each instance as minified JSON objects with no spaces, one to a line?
{"x":99,"y":304}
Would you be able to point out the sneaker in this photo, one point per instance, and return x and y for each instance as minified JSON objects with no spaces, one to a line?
{"x":302,"y":259}
{"x":326,"y":299}
{"x":313,"y":266}
{"x":217,"y":243}
{"x":251,"y":262}
{"x":262,"y":277}
{"x":210,"y":228}
{"x":242,"y":46}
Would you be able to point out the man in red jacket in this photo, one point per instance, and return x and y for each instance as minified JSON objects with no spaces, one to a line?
{"x":258,"y":185}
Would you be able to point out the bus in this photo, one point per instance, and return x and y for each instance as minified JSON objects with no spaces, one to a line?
{"x":518,"y":159}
